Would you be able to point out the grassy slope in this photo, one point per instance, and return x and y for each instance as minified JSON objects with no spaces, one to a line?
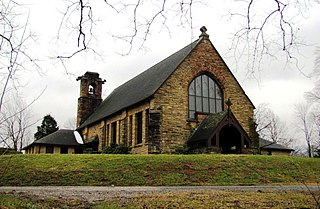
{"x":138,"y":170}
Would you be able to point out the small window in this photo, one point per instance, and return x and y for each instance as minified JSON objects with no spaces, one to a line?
{"x":64,"y":150}
{"x":49,"y":149}
{"x":130,"y":130}
{"x":147,"y":124}
{"x":107,"y":134}
{"x":114,"y":133}
{"x":139,"y":127}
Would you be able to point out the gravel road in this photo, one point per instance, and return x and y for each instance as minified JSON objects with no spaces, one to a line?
{"x":93,"y":194}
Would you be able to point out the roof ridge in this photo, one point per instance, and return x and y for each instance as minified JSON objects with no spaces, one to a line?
{"x":140,"y":87}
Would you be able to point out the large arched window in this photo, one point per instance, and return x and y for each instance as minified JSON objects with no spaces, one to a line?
{"x":205,"y":96}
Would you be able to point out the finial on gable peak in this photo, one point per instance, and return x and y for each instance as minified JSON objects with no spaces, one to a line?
{"x":204,"y":34}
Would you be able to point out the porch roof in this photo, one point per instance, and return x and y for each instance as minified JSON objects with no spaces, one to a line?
{"x":208,"y":125}
{"x":213,"y":124}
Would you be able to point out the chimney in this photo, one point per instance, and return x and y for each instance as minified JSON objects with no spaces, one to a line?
{"x":90,"y":95}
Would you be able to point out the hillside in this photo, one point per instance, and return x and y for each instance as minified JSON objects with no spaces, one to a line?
{"x":162,"y":170}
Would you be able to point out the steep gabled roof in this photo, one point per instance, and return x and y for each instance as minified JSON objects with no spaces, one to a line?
{"x":144,"y":85}
{"x":62,"y":137}
{"x":140,"y":87}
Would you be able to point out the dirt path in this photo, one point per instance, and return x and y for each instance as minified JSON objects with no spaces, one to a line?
{"x":93,"y":194}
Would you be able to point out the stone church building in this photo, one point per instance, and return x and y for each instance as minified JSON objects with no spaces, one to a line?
{"x":190,"y":98}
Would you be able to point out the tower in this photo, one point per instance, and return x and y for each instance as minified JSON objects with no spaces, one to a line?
{"x":90,"y":95}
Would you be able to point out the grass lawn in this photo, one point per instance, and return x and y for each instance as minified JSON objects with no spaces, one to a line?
{"x":198,"y":199}
{"x":216,"y":199}
{"x":153,"y":170}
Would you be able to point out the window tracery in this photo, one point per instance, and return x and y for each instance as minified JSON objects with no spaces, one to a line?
{"x":205,"y":96}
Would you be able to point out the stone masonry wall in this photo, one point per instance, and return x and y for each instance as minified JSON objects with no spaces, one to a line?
{"x":172,"y":97}
{"x":126,"y":129}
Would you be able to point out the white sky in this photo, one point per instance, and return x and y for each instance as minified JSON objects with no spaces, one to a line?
{"x":279,"y":87}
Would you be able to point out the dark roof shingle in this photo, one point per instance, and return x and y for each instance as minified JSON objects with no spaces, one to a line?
{"x":207,"y":126}
{"x":62,"y":137}
{"x":140,"y":87}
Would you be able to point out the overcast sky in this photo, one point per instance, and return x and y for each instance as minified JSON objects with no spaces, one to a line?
{"x":279,"y":86}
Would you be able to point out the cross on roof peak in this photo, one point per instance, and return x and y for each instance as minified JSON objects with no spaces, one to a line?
{"x":229,"y":103}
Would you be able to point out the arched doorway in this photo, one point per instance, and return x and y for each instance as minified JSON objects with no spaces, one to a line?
{"x":220,"y":133}
{"x":230,"y":140}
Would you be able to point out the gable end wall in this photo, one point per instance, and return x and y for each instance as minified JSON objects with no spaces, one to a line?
{"x":172,"y":97}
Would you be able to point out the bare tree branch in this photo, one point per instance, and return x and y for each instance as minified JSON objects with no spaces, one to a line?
{"x":15,"y":123}
{"x":260,"y":32}
{"x":141,"y":21}
{"x":270,"y":127}
{"x":306,"y":125}
{"x":272,"y":26}
{"x":314,"y":94}
{"x":14,"y":38}
{"x":82,"y":42}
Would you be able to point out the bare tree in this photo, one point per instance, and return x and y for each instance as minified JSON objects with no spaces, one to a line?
{"x":261,"y":32}
{"x":306,"y":125}
{"x":316,"y":119}
{"x":138,"y":17}
{"x":71,"y":123}
{"x":15,"y":121}
{"x":270,"y":127}
{"x":14,"y":40}
{"x":15,"y":59}
{"x":265,"y":32}
{"x":314,"y":94}
{"x":313,"y":98}
{"x":299,"y":151}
